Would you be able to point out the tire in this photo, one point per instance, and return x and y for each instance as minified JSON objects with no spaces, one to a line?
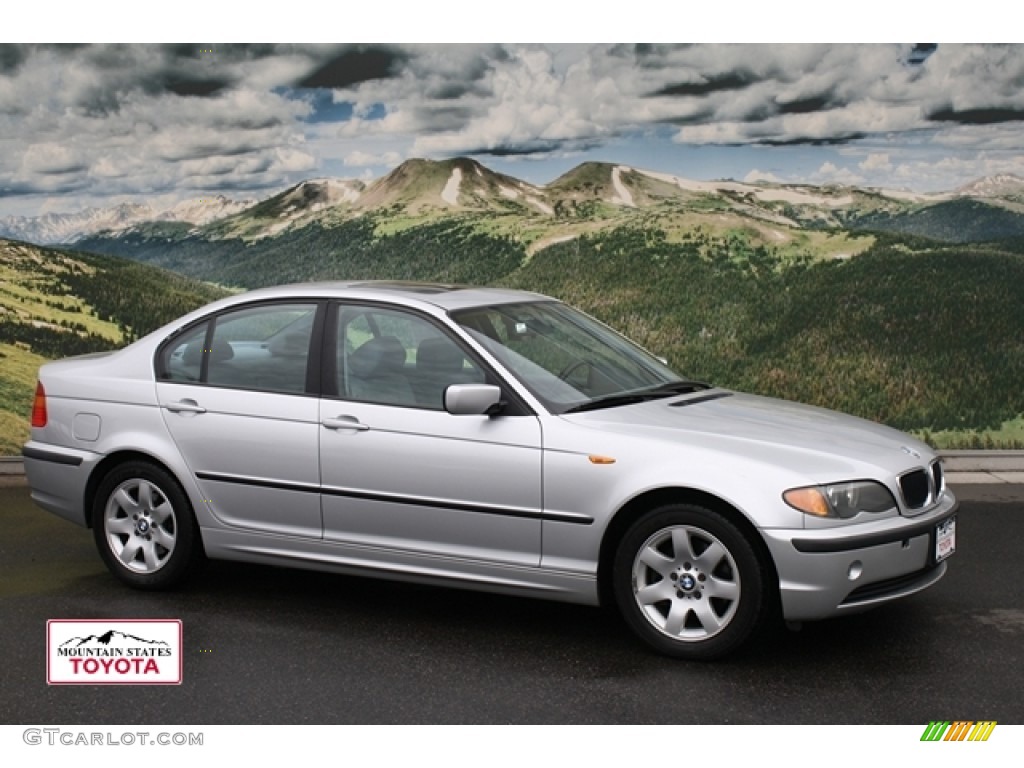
{"x":144,"y":527}
{"x":688,"y":582}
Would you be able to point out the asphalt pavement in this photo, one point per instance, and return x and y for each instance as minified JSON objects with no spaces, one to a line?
{"x":269,"y":645}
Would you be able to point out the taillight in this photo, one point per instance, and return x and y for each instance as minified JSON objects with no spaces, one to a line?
{"x":39,"y":406}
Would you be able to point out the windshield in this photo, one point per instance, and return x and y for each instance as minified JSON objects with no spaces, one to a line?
{"x":566,"y":359}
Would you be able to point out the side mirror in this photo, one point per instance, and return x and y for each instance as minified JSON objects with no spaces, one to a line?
{"x":472,"y":399}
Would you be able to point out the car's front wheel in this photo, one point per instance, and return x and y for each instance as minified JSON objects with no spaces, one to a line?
{"x":688,"y":582}
{"x":144,"y":527}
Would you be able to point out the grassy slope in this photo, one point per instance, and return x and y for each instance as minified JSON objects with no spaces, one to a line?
{"x":17,"y":384}
{"x":1009,"y":434}
{"x":55,"y":303}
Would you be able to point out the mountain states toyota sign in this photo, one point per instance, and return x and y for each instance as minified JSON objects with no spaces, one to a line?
{"x":113,"y":652}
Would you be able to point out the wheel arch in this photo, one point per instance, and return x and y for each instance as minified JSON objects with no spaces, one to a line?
{"x":111,"y":462}
{"x":650,"y":500}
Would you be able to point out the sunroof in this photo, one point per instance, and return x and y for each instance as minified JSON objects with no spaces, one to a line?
{"x":422,"y":288}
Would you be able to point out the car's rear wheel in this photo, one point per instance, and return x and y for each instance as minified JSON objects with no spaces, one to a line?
{"x":688,"y":582}
{"x":144,"y":527}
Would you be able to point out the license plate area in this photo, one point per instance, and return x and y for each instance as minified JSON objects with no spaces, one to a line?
{"x":945,"y":539}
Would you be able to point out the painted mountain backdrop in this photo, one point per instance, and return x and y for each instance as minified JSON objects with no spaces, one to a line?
{"x":899,"y":307}
{"x":987,"y":209}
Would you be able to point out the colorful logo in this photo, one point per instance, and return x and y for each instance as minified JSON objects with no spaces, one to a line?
{"x":113,"y":652}
{"x":958,"y":730}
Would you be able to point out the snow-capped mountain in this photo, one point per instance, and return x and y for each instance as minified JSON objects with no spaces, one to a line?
{"x":201,"y":211}
{"x":66,"y":228}
{"x":295,"y":205}
{"x":1000,"y":185}
{"x":429,"y":189}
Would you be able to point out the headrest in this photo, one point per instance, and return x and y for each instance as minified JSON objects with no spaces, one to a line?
{"x":439,"y":355}
{"x":289,"y":345}
{"x":377,"y":357}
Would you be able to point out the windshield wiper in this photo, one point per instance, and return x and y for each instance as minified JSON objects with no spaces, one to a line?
{"x":681,"y":387}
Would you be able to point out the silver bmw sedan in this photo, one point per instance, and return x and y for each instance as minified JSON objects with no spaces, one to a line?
{"x":487,"y":439}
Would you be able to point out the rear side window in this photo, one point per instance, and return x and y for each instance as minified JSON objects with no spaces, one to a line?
{"x":264,"y":348}
{"x":182,"y":359}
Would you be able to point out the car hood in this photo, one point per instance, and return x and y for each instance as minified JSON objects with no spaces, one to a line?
{"x":821,"y":442}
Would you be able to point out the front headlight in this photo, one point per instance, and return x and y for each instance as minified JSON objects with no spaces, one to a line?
{"x":843,"y":500}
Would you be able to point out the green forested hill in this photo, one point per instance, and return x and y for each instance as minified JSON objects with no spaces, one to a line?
{"x":954,"y":221}
{"x":917,"y":334}
{"x":452,"y":249}
{"x":923,"y":340}
{"x":55,"y":303}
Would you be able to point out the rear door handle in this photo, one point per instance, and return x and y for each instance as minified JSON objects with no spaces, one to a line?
{"x":345,"y":422}
{"x":185,"y":406}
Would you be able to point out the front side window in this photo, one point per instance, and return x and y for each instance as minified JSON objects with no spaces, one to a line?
{"x":398,"y":358}
{"x":260,"y":348}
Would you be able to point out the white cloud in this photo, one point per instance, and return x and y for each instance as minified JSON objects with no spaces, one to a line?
{"x":948,"y":172}
{"x":50,"y":158}
{"x":876,"y":161}
{"x":291,"y":160}
{"x":150,"y":120}
{"x":756,"y":175}
{"x":359,"y":158}
{"x":829,"y":173}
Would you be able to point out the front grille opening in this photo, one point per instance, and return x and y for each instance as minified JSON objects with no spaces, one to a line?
{"x":914,"y":486}
{"x":937,"y":478}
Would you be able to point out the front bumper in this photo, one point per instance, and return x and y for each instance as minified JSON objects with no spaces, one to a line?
{"x":834,"y":571}
{"x":57,"y":477}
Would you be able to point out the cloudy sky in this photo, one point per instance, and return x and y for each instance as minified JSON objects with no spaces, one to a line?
{"x":98,"y":124}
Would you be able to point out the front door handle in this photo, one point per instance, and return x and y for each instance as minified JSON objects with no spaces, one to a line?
{"x":185,"y":406}
{"x":345,"y":422}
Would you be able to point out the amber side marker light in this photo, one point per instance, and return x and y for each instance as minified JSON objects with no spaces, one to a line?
{"x":808,"y":500}
{"x":596,"y":459}
{"x":39,"y":406}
